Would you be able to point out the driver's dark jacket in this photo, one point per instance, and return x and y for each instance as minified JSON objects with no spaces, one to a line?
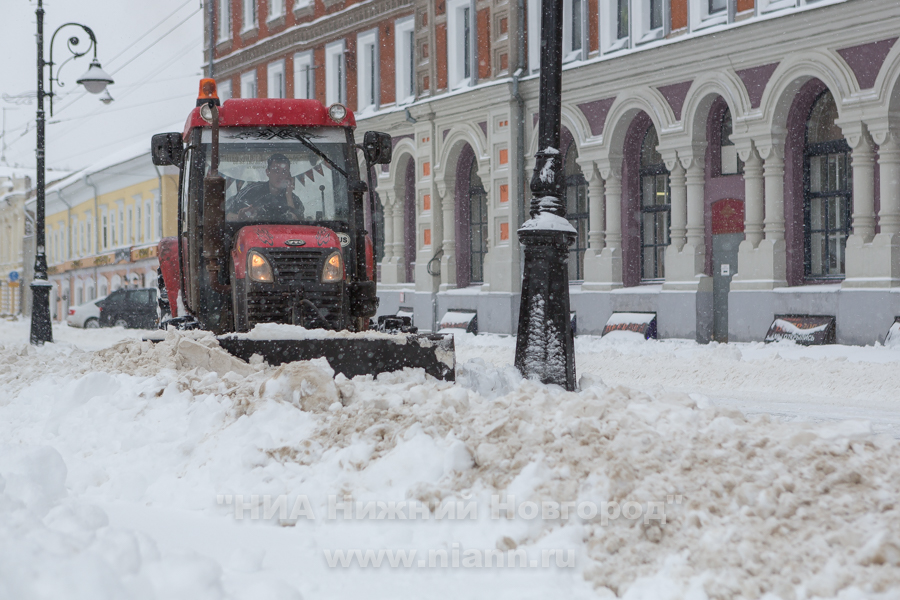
{"x":258,"y":196}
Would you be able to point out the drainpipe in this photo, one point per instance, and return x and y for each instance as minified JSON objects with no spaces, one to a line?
{"x":87,"y":181}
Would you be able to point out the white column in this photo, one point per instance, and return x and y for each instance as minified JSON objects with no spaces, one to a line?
{"x":678,"y":192}
{"x":696,"y":226}
{"x":448,"y":260}
{"x":774,"y":186}
{"x":889,"y":166}
{"x":614,"y":212}
{"x":764,"y":266}
{"x":873,"y":261}
{"x":596,"y":222}
{"x":863,"y":162}
{"x":754,"y":207}
{"x":388,"y":209}
{"x":399,"y":233}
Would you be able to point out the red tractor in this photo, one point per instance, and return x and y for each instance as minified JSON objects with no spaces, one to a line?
{"x":272,"y":228}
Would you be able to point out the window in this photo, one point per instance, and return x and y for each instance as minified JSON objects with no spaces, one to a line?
{"x":275,"y":79}
{"x":576,"y":213}
{"x":105,"y":236}
{"x":121,"y":238}
{"x":621,"y":20}
{"x":573,"y":30}
{"x":128,"y":238}
{"x":139,"y":224}
{"x":704,"y":13}
{"x":404,"y":49}
{"x":224,"y":21}
{"x":81,"y":243}
{"x":460,"y":45}
{"x":335,"y":73}
{"x":90,"y":235}
{"x":276,"y":9}
{"x":655,"y":208}
{"x":224,"y":89}
{"x":730,"y":164}
{"x":615,"y":24}
{"x":304,"y":76}
{"x":478,"y":225}
{"x":828,"y":196}
{"x":248,"y":85}
{"x":250,"y":20}
{"x":148,"y":234}
{"x":367,"y":71}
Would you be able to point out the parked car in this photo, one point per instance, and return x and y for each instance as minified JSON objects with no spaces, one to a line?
{"x":85,"y":315}
{"x":129,"y":308}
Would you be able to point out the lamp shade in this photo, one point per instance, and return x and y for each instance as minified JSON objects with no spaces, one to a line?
{"x":95,"y":79}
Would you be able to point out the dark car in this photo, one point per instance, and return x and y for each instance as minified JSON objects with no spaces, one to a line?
{"x":129,"y":308}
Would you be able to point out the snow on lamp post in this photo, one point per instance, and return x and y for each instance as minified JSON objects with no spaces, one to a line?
{"x":95,"y":81}
{"x":544,"y":346}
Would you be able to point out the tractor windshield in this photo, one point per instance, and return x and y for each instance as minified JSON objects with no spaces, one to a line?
{"x":283,"y":174}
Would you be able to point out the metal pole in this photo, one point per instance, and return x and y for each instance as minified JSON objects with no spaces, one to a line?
{"x":41,"y":329}
{"x":545,"y":346}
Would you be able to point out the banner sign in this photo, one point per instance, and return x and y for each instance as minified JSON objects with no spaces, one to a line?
{"x":632,"y":324}
{"x":808,"y":330}
{"x":459,"y":319}
{"x":892,"y":339}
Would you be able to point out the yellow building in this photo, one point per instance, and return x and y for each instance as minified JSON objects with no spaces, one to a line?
{"x":103,"y":225}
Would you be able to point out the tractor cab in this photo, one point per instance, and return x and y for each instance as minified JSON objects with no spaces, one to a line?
{"x":272,"y":226}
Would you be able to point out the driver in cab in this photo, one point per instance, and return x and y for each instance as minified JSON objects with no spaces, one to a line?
{"x":272,"y":199}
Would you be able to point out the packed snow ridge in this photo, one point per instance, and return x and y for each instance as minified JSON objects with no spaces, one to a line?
{"x":753,"y":507}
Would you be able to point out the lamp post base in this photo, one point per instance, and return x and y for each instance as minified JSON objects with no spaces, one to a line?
{"x":545,"y":347}
{"x":41,"y":327}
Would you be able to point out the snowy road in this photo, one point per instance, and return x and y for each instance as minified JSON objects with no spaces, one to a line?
{"x":121,"y":466}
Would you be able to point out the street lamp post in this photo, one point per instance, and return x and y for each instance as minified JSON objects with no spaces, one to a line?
{"x":545,"y":345}
{"x":95,"y":81}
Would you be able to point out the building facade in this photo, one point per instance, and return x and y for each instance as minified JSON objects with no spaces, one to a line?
{"x":15,"y":188}
{"x":726,"y":160}
{"x":103,"y":225}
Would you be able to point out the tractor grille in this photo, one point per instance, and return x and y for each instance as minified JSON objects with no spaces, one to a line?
{"x":297,"y":265}
{"x":275,"y":307}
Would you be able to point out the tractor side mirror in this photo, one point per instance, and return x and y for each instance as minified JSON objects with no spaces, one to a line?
{"x":167,"y":149}
{"x":377,"y":148}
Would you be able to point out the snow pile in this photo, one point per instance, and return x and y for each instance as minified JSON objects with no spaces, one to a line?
{"x":752,"y":506}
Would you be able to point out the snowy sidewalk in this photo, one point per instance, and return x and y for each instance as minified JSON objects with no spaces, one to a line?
{"x":123,"y":466}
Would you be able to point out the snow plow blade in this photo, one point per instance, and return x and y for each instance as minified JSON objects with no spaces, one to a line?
{"x":436,"y":354}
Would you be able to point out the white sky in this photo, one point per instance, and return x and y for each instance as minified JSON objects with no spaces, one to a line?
{"x":151,"y":93}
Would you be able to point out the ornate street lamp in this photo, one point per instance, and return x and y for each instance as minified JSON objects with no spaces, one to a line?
{"x":545,"y":346}
{"x":95,"y":81}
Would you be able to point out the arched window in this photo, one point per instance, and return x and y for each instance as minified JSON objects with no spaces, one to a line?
{"x":478,"y":225}
{"x":731,"y":164}
{"x":827,"y":188}
{"x":655,"y":208}
{"x":576,"y":212}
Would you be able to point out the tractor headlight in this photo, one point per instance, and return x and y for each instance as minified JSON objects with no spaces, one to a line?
{"x":258,"y":268}
{"x":334,"y":268}
{"x":337,"y":112}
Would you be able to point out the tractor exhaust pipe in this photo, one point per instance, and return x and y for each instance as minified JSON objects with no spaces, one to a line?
{"x":214,"y":250}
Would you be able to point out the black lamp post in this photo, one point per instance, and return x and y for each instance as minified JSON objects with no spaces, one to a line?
{"x":95,"y":81}
{"x":545,"y":347}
